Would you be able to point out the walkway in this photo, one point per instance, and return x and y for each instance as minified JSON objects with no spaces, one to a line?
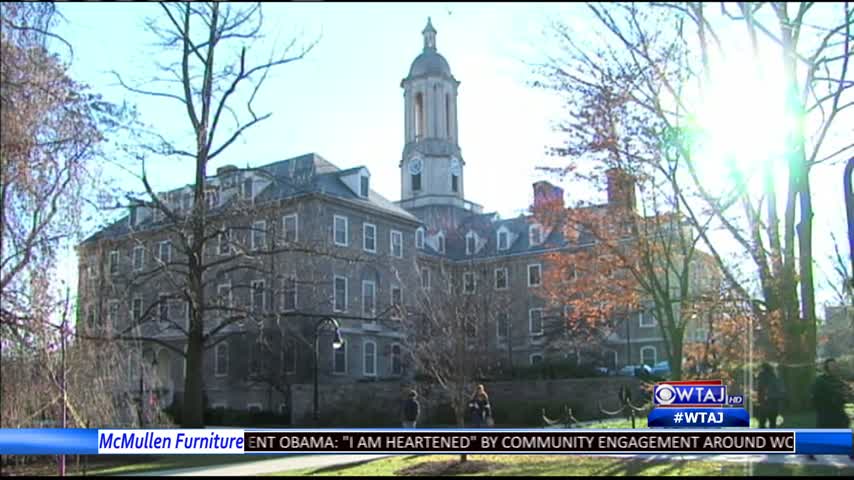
{"x":299,"y":462}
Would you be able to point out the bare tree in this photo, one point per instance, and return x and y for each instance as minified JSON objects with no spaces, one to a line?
{"x":212,"y":74}
{"x":667,"y":52}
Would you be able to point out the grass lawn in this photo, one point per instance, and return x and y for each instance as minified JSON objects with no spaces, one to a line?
{"x":124,"y":464}
{"x":794,"y":420}
{"x":552,"y":465}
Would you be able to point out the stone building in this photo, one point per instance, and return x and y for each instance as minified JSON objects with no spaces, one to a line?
{"x":302,"y":239}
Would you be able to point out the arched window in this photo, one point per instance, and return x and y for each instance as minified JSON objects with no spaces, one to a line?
{"x":419,"y":238}
{"x":648,"y":355}
{"x":440,"y":242}
{"x":448,"y":117}
{"x":419,"y":116}
{"x":221,"y":362}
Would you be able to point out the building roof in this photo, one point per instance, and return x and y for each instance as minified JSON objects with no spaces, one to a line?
{"x":306,"y":174}
{"x":430,"y":63}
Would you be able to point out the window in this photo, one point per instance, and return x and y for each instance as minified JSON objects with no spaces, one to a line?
{"x":570,"y":273}
{"x":440,"y":241}
{"x":136,"y":309}
{"x":369,"y":298}
{"x":364,"y":184}
{"x":455,"y":183}
{"x":221,"y":361}
{"x":419,"y":116}
{"x":290,"y":228}
{"x":340,"y":294}
{"x":535,"y":321}
{"x":341,"y":231}
{"x":536,"y":358}
{"x":648,"y":355}
{"x":211,"y":198}
{"x":468,"y":282}
{"x":370,"y":364}
{"x":259,"y":235}
{"x":501,"y":279}
{"x":163,"y":306}
{"x":114,"y":262}
{"x":289,"y":356}
{"x":503,"y":326}
{"x":647,"y":318}
{"x":471,"y":328}
{"x":396,"y":300}
{"x":225,"y":242}
{"x":223,"y":293}
{"x":339,"y":359}
{"x":416,"y":182}
{"x":447,"y":116}
{"x":369,"y":237}
{"x":503,"y":240}
{"x":138,"y":257}
{"x":255,"y":356}
{"x":165,"y":251}
{"x":534,"y":271}
{"x":247,"y":189}
{"x":396,"y":360}
{"x":132,"y":216}
{"x":396,"y":244}
{"x":289,"y":293}
{"x":419,"y":238}
{"x":112,"y":312}
{"x":425,"y":277}
{"x":471,"y":243}
{"x":535,"y":234}
{"x":258,"y":303}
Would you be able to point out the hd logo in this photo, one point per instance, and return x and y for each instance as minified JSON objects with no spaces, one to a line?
{"x":692,"y":404}
{"x":694,"y":393}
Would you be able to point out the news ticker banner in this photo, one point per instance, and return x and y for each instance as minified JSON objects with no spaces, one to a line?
{"x":54,"y":441}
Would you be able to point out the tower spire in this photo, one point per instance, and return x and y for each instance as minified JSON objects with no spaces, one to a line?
{"x":429,"y":36}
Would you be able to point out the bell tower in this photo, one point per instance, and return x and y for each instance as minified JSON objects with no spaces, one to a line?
{"x":431,"y":167}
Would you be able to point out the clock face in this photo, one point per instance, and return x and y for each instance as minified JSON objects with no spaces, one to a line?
{"x":455,"y":166}
{"x":415,"y":166}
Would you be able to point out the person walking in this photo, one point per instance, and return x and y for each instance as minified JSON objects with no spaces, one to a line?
{"x":829,"y":394}
{"x":769,"y":392}
{"x":411,"y":409}
{"x":480,"y":409}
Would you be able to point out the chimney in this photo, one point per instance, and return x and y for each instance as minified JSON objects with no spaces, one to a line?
{"x":547,"y":195}
{"x":621,"y":188}
{"x":225,"y":169}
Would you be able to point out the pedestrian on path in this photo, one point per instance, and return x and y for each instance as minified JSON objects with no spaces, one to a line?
{"x":829,"y":394}
{"x":411,"y":409}
{"x":480,"y":409}
{"x":769,"y":392}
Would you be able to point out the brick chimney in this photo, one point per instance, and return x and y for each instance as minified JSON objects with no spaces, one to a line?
{"x":621,"y":188}
{"x":547,"y":195}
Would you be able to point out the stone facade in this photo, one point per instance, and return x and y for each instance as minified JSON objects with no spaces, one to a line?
{"x":342,"y":248}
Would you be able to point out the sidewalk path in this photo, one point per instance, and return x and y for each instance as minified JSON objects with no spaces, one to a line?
{"x":298,"y":462}
{"x":261,"y":467}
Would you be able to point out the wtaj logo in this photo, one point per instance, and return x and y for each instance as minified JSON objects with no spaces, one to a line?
{"x":699,"y":393}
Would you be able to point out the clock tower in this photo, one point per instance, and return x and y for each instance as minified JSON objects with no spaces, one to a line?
{"x":431,"y":168}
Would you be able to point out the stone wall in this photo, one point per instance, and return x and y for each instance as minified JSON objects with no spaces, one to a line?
{"x":516,"y":403}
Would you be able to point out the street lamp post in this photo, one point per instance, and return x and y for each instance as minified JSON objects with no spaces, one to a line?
{"x":336,"y":344}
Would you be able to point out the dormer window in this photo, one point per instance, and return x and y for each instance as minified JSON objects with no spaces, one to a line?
{"x":503,"y":240}
{"x":471,"y":243}
{"x":440,"y":241}
{"x":419,"y":238}
{"x":248,"y":191}
{"x":535,"y":234}
{"x":132,"y":216}
{"x":364,"y":186}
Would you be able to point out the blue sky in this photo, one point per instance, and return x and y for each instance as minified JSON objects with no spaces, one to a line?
{"x":344,"y":101}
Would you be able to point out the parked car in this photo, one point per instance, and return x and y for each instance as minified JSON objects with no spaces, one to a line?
{"x":635,"y":370}
{"x":661,"y":369}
